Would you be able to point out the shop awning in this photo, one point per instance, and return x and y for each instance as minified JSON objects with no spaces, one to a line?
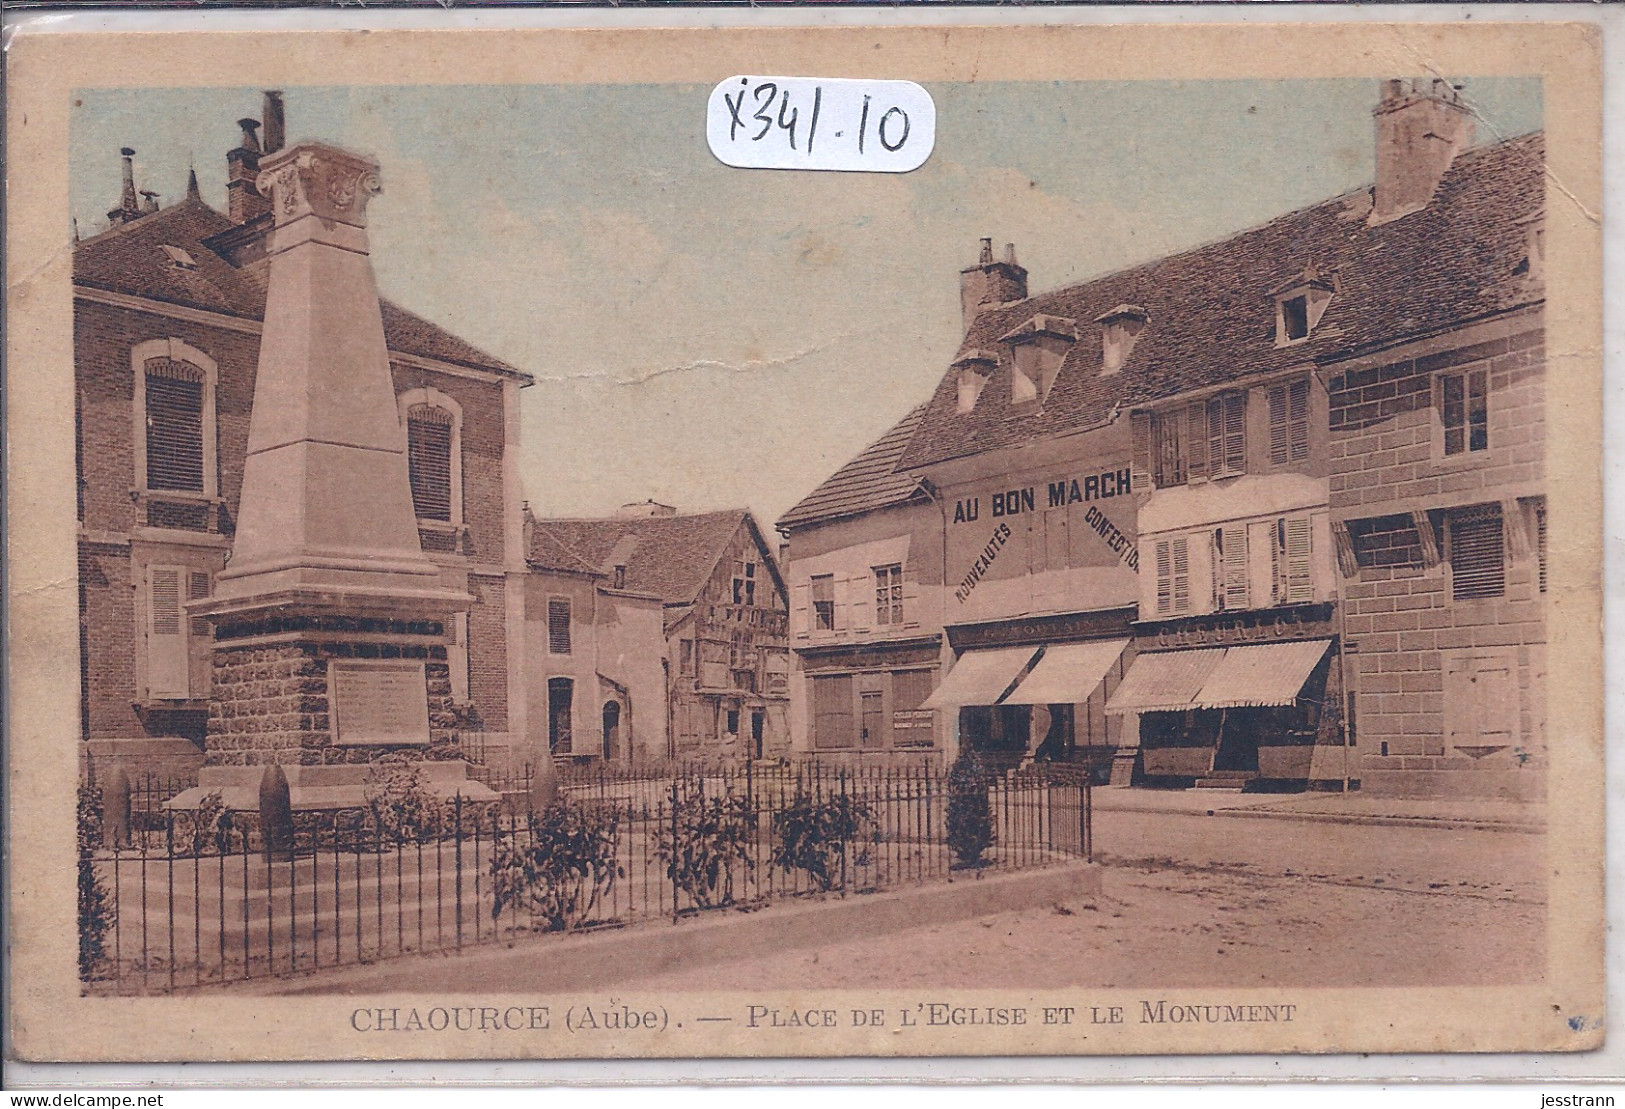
{"x":1263,"y":674}
{"x":1165,"y":681}
{"x":1068,"y":673}
{"x":981,"y":677}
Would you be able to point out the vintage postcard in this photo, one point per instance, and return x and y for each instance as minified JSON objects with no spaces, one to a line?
{"x":806,"y":542}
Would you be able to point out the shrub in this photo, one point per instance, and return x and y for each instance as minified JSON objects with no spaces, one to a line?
{"x":205,"y":829}
{"x":970,"y":817}
{"x":95,"y":909}
{"x":399,"y":805}
{"x":814,"y":835}
{"x":701,"y":840}
{"x":565,"y":870}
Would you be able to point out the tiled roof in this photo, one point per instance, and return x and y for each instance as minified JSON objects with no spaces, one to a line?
{"x":130,"y":259}
{"x":864,"y":484}
{"x":673,"y":556}
{"x":1212,"y":315}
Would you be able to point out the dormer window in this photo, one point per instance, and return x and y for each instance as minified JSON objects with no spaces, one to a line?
{"x":1119,"y":330}
{"x":1299,"y":304}
{"x":179,"y":258}
{"x":1037,"y":349}
{"x":975,"y":371}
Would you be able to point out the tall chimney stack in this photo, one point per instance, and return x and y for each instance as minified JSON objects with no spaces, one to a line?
{"x":989,"y":283}
{"x":128,"y":207}
{"x":1421,"y":127}
{"x":243,"y":200}
{"x":273,"y":121}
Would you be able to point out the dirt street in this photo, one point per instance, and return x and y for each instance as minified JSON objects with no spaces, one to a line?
{"x":1195,"y":901}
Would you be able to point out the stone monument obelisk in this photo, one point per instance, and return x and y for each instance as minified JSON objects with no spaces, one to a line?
{"x":330,"y":623}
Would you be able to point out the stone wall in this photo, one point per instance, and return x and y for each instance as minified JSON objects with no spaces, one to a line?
{"x":271,"y":704}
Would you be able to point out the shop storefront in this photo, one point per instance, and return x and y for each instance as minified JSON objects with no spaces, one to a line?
{"x":1250,"y":700}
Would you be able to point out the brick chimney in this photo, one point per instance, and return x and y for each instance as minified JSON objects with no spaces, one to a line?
{"x":128,"y":207}
{"x":274,"y":121}
{"x":243,"y":200}
{"x":1421,"y":127}
{"x":989,"y":283}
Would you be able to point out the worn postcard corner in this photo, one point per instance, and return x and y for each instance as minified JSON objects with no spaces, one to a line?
{"x":849,"y":541}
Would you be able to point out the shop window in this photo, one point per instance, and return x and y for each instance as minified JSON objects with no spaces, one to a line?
{"x":1463,"y":403}
{"x":911,"y":726}
{"x":1167,"y":452}
{"x":1476,"y":550}
{"x":1289,"y":422}
{"x":1230,"y":586}
{"x":1173,"y":576}
{"x":558,"y":625}
{"x":1227,"y":435}
{"x":888,"y":594}
{"x":832,"y":712}
{"x":1294,"y":561}
{"x":823,"y":602}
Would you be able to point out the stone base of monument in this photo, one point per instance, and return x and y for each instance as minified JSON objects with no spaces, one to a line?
{"x":325,"y":788}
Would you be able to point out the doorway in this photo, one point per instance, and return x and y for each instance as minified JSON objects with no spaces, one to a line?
{"x":560,"y":697}
{"x":612,"y":730}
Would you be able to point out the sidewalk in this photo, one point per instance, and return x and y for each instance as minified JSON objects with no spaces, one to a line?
{"x":1337,"y":808}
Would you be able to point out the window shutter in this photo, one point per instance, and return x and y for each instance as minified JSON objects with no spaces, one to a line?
{"x":1298,"y":420}
{"x":1181,"y":575}
{"x":911,"y":601}
{"x":843,"y":602}
{"x":1232,"y":592}
{"x":1235,"y":433}
{"x":1477,"y":554}
{"x":1280,"y":447}
{"x":1196,"y":440}
{"x":558,"y":626}
{"x":174,"y":401}
{"x":1165,"y":577}
{"x":862,"y":596}
{"x":1300,"y":574}
{"x":197,"y":588}
{"x":428,"y":440}
{"x":167,"y":659}
{"x":1140,"y":433}
{"x":801,"y":608}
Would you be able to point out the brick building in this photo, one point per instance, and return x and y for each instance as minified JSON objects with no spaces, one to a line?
{"x":1267,"y":510}
{"x":168,"y":309}
{"x":695,"y":600}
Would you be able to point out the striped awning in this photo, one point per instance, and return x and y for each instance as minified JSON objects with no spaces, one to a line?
{"x":1068,"y":673}
{"x":981,"y":677}
{"x":1262,"y":674}
{"x":1165,"y":681}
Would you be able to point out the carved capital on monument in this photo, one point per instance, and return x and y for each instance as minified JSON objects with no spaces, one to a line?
{"x":321,"y":180}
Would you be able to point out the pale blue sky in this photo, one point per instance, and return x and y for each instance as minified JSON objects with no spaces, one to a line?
{"x":709,"y":336}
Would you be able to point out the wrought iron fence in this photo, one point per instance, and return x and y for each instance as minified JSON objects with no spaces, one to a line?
{"x":197,"y":898}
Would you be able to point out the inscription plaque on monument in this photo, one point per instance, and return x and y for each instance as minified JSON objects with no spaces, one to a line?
{"x":378,"y":702}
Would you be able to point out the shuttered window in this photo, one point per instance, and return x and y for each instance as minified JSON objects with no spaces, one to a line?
{"x":1477,"y":553}
{"x":1293,"y":561}
{"x":1227,"y":435}
{"x":558,"y":625}
{"x":1230,"y":567}
{"x":832,"y":712}
{"x":1289,"y":422}
{"x":1173,"y":576}
{"x":197,"y":588}
{"x":174,"y":403}
{"x":429,"y":434}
